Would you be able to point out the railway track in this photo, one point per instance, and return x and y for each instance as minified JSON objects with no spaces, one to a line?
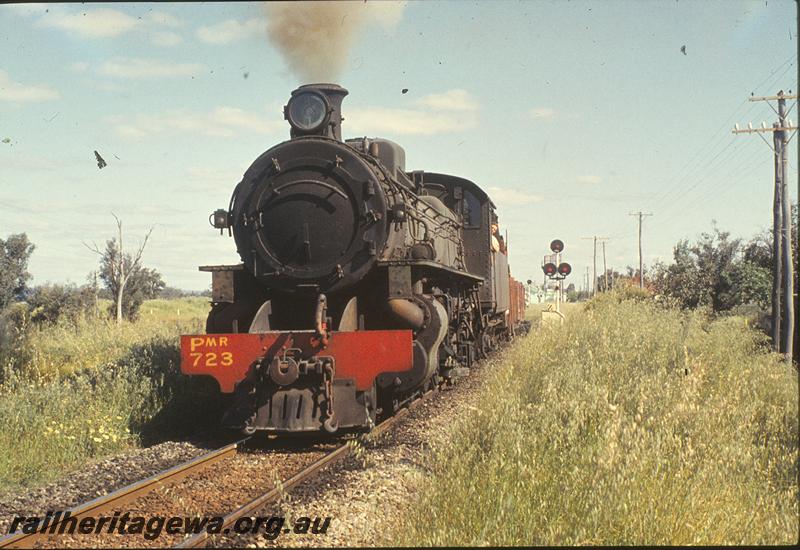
{"x":178,"y":485}
{"x":129,"y":493}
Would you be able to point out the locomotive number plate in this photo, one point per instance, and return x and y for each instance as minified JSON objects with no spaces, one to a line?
{"x":209,"y":352}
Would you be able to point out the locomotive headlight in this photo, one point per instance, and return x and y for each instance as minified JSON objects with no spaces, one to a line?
{"x":307,"y":111}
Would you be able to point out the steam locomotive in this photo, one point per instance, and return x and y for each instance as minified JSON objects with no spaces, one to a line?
{"x":361,"y":284}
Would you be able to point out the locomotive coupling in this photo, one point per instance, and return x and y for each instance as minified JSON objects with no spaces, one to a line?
{"x":284,"y":371}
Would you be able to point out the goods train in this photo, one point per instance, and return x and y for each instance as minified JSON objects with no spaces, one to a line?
{"x":361,"y":284}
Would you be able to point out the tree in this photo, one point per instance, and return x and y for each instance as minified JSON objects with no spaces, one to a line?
{"x":717,"y":272}
{"x":145,"y":284}
{"x":616,"y":279}
{"x":124,"y":275}
{"x":172,"y":293}
{"x":578,"y":295}
{"x":751,"y":284}
{"x":759,"y":252}
{"x":14,"y":255}
{"x":51,"y":302}
{"x":681,"y":279}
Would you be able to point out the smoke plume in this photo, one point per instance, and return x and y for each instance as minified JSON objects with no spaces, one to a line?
{"x":315,"y":37}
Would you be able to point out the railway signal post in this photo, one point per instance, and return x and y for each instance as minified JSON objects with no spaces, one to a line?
{"x":556,"y":270}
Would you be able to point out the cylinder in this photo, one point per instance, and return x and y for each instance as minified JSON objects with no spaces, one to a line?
{"x":407,"y":312}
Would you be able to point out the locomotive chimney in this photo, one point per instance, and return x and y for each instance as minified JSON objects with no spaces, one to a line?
{"x":316,"y":109}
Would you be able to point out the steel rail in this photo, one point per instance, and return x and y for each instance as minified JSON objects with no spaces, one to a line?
{"x":274,"y":495}
{"x":125,"y":494}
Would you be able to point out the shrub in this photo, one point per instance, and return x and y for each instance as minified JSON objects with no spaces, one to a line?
{"x":52,"y":427}
{"x":15,"y":353}
{"x":624,"y":291}
{"x":72,"y":392}
{"x":51,"y":303}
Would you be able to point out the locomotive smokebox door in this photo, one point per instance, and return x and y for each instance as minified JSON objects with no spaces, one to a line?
{"x":312,"y":223}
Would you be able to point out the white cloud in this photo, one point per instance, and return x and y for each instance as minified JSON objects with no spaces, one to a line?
{"x":223,"y":121}
{"x":125,"y":67}
{"x":99,"y":23}
{"x":210,"y":180}
{"x":238,"y":118}
{"x":166,"y":38}
{"x":386,"y":14}
{"x":162,"y":18}
{"x":107,"y":86}
{"x":542,"y":113}
{"x":451,"y":100}
{"x":382,"y":120}
{"x":105,"y":22}
{"x":590,"y":179}
{"x":27,"y":10}
{"x":211,"y":174}
{"x":231,"y":31}
{"x":20,"y":93}
{"x":79,"y":67}
{"x":510,"y":197}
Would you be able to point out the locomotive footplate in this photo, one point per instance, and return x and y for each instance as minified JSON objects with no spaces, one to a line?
{"x":292,"y":381}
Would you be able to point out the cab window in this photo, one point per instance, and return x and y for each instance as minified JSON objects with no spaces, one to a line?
{"x":471,"y":210}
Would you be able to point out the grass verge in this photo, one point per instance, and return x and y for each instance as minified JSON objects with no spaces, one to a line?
{"x":631,"y":424}
{"x":97,"y":388}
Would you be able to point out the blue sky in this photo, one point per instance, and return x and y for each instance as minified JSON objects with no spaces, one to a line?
{"x":571,"y":114}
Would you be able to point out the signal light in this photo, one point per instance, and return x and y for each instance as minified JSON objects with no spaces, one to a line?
{"x":557,"y":246}
{"x":549,"y":269}
{"x":564,"y":269}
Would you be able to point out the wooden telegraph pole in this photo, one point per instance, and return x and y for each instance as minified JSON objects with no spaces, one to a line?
{"x":777,"y":241}
{"x":782,"y":265}
{"x":786,"y":234}
{"x":587,"y":279}
{"x":595,"y":238}
{"x":641,"y":215}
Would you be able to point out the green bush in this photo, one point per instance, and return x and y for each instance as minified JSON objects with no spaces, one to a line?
{"x":631,"y":424}
{"x":67,"y":346}
{"x":52,"y":303}
{"x":15,"y":349}
{"x":51,"y":427}
{"x":73,"y":392}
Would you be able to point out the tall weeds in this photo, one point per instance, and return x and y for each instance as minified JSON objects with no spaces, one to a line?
{"x":631,"y":424}
{"x":75,"y":392}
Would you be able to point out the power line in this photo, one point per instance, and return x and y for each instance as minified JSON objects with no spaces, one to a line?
{"x":722,"y":184}
{"x":752,"y":106}
{"x":719,"y":134}
{"x":673,"y":185}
